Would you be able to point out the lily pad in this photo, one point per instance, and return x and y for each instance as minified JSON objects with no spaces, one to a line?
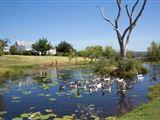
{"x":26,"y":92}
{"x":41,"y":94}
{"x":25,"y":115}
{"x":52,"y":99}
{"x":48,"y":110}
{"x":15,"y":101}
{"x":17,"y":118}
{"x":47,"y":95}
{"x":15,"y":97}
{"x":3,"y":112}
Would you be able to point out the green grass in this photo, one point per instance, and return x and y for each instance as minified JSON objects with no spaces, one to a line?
{"x":15,"y":65}
{"x":149,"y":111}
{"x":154,"y":92}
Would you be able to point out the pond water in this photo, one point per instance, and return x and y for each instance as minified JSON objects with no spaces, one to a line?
{"x":59,"y":93}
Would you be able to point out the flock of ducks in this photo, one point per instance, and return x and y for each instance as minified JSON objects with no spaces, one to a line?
{"x":102,"y":83}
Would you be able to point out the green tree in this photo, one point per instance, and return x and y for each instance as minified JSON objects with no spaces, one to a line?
{"x":42,"y":45}
{"x":109,"y":52}
{"x":83,"y":53}
{"x":94,"y":52}
{"x":64,"y":48}
{"x":13,"y":50}
{"x":3,"y":43}
{"x":73,"y":54}
{"x":153,"y":52}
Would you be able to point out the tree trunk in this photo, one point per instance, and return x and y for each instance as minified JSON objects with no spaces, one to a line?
{"x":123,"y":50}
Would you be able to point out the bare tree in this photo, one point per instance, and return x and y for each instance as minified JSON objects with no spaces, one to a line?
{"x":123,"y":37}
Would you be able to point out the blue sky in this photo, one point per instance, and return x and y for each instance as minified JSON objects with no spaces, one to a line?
{"x":78,"y":22}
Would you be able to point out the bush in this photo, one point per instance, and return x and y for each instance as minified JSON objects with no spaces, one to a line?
{"x":128,"y":68}
{"x":122,"y":69}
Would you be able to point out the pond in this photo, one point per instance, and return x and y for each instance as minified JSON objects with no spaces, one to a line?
{"x":56,"y":90}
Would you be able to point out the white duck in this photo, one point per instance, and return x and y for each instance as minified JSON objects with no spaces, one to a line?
{"x":106,"y":79}
{"x":120,"y":80}
{"x":99,"y":85}
{"x":140,"y":76}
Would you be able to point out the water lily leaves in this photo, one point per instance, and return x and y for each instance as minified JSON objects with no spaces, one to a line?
{"x":17,"y":118}
{"x":134,"y":95}
{"x":45,"y":87}
{"x":47,"y":95}
{"x":67,"y":117}
{"x":95,"y":117}
{"x":48,"y":110}
{"x":46,"y":117}
{"x":52,"y":99}
{"x":36,"y":116}
{"x":26,"y":92}
{"x":31,"y":108}
{"x":25,"y":115}
{"x":3,"y":112}
{"x":41,"y":94}
{"x":15,"y":101}
{"x":15,"y":98}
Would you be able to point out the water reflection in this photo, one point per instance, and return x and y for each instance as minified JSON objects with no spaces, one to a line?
{"x":125,"y":104}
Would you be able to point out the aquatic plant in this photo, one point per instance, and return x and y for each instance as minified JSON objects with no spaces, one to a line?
{"x":67,"y":117}
{"x":35,"y":116}
{"x":26,"y":92}
{"x":3,"y":113}
{"x":17,"y":118}
{"x":52,"y":99}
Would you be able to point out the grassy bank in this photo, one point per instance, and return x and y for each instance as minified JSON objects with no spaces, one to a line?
{"x":13,"y":65}
{"x":149,"y":111}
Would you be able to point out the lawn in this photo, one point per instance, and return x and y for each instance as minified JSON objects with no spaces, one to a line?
{"x":16,"y":64}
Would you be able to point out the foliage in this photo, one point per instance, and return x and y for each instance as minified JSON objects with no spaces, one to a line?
{"x":128,"y":68}
{"x":72,"y":54}
{"x":42,"y":46}
{"x":103,"y":68}
{"x":153,"y":52}
{"x":64,"y":48}
{"x":13,"y":50}
{"x":109,"y":52}
{"x":3,"y":43}
{"x":129,"y":54}
{"x":123,"y":68}
{"x":94,"y":52}
{"x":83,"y":53}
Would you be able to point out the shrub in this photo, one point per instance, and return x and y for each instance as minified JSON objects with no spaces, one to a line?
{"x":123,"y":68}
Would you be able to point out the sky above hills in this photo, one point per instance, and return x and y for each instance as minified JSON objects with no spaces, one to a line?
{"x":76,"y":21}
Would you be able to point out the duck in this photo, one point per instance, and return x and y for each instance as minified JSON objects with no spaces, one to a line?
{"x":120,"y":80}
{"x":106,"y":78}
{"x":73,"y":85}
{"x":140,"y":76}
{"x":99,"y":85}
{"x":93,"y":90}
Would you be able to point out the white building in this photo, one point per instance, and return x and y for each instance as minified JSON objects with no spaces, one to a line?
{"x":20,"y":46}
{"x":51,"y":51}
{"x":6,"y":49}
